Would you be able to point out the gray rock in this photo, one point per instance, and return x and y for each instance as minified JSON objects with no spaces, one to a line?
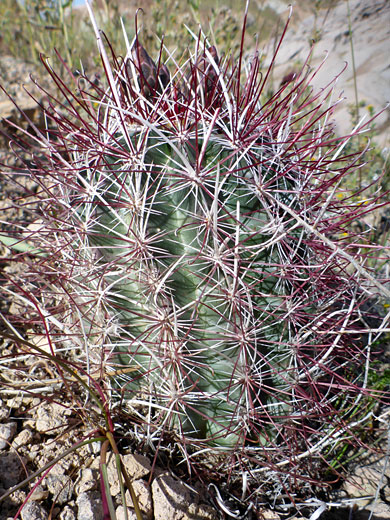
{"x":11,"y":470}
{"x":144,"y":496}
{"x":33,"y":511}
{"x":50,"y":418}
{"x":368,"y":484}
{"x":39,"y":494}
{"x":23,"y":438}
{"x":17,"y":402}
{"x":120,"y":513}
{"x":89,"y":506}
{"x":7,"y":432}
{"x":170,"y":498}
{"x":61,"y":487}
{"x":10,"y":505}
{"x":67,"y":514}
{"x":4,"y":412}
{"x":49,"y":450}
{"x":88,"y":480}
{"x":137,"y":466}
{"x":34,"y":452}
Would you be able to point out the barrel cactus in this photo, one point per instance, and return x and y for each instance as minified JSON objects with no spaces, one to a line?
{"x":194,"y":233}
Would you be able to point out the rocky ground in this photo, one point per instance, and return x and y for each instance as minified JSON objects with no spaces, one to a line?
{"x":71,"y":490}
{"x":33,"y":431}
{"x":367,"y":61}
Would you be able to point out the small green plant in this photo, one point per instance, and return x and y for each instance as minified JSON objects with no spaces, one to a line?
{"x":35,"y":26}
{"x":191,"y":251}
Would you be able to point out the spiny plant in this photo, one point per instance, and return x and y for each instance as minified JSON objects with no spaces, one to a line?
{"x":189,"y":248}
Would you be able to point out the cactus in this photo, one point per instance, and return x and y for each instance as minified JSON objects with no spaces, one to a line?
{"x":193,"y":230}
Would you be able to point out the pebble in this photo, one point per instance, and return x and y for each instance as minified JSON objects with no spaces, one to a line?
{"x":120,"y":514}
{"x":39,"y":494}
